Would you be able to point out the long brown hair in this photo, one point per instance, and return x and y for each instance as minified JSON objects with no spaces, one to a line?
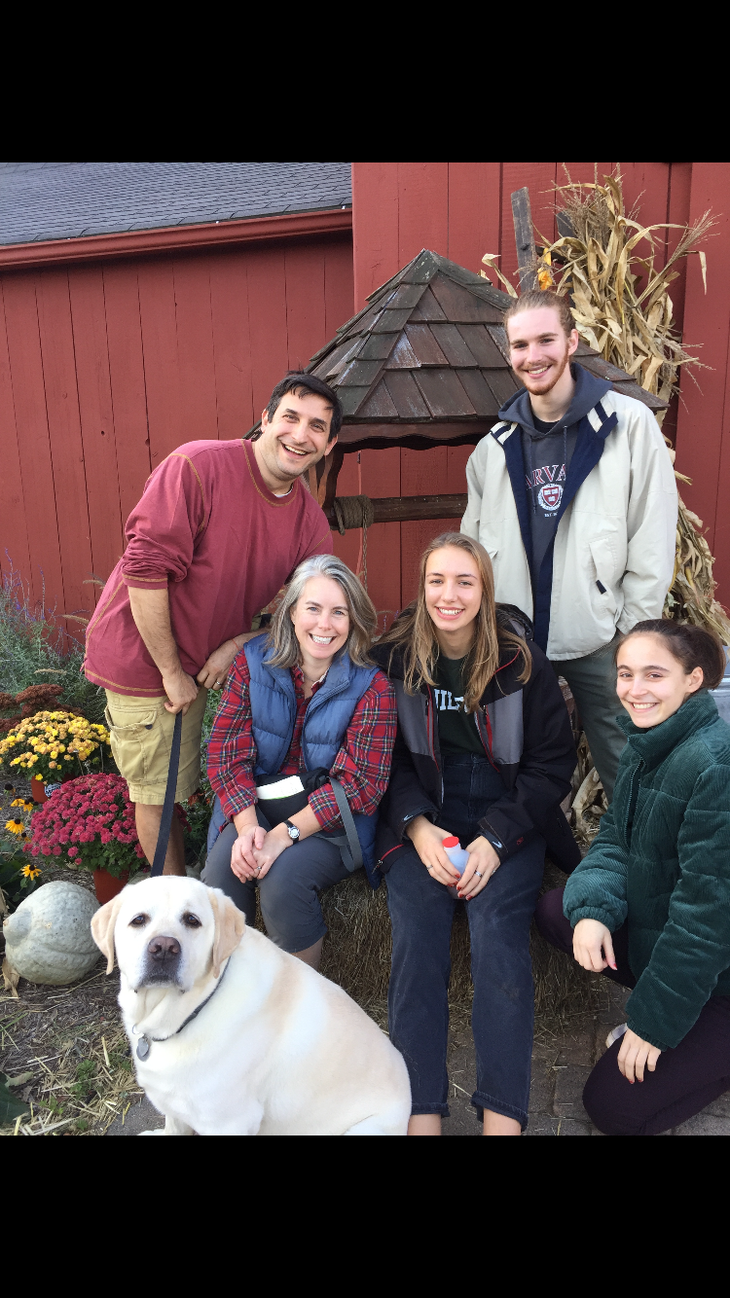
{"x":415,"y":635}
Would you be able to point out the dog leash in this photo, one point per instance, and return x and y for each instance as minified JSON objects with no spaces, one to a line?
{"x":145,"y":1043}
{"x":169,"y":803}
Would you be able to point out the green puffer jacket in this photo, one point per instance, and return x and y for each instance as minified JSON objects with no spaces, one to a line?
{"x":662,"y":857}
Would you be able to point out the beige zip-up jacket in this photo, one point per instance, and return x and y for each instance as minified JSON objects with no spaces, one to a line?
{"x":619,"y":530}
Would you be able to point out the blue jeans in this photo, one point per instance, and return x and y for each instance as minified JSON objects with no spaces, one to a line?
{"x":422,"y":912}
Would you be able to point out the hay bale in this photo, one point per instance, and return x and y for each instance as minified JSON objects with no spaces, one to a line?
{"x":357,"y":949}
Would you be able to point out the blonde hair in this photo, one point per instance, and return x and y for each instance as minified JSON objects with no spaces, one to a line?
{"x":363,"y":618}
{"x":415,"y":635}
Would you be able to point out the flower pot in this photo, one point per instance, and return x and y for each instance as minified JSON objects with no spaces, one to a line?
{"x":107,"y":886}
{"x":38,"y":789}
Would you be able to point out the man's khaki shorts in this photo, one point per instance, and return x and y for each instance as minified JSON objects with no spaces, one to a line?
{"x":140,"y":731}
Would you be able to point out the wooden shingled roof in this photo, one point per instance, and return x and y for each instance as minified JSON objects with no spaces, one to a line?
{"x":426,"y":360}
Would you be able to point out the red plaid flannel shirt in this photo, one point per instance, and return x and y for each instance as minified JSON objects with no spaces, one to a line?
{"x":362,"y":764}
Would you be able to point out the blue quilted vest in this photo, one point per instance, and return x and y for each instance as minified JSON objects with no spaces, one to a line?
{"x":328,"y":714}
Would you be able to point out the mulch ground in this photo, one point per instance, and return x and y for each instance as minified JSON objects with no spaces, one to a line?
{"x":66,"y":1055}
{"x":63,"y":1049}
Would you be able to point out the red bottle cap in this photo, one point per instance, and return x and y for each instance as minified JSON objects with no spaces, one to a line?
{"x":451,"y":842}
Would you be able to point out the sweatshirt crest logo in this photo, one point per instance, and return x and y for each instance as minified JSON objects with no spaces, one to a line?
{"x":550,"y":496}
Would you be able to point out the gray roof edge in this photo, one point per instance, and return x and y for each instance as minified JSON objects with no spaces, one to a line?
{"x":168,"y":225}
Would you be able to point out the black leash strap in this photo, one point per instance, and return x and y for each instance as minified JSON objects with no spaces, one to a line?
{"x":169,"y":803}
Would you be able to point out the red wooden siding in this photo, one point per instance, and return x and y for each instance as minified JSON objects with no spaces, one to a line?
{"x":106,"y":368}
{"x":463,"y":210}
{"x":703,"y":418}
{"x":107,"y":364}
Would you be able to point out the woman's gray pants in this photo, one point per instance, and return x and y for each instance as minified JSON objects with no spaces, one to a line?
{"x":289,"y":893}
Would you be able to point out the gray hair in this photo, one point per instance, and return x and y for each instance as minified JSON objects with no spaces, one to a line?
{"x":363,"y":618}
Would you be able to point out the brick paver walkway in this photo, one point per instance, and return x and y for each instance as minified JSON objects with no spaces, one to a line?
{"x":560,"y":1067}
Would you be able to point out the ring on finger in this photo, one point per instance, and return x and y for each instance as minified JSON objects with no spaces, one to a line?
{"x":478,"y":875}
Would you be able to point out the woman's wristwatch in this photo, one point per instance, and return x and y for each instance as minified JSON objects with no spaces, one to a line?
{"x":292,"y":831}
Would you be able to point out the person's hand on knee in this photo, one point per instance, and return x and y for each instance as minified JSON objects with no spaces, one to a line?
{"x":592,"y":946}
{"x":428,"y":841}
{"x":243,"y":859}
{"x":480,"y":867}
{"x":635,"y":1055}
{"x":276,"y":841}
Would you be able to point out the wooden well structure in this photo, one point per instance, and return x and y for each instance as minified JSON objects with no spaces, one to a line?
{"x":425,"y":363}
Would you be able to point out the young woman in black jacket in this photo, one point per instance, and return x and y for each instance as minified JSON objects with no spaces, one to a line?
{"x":484,"y":752}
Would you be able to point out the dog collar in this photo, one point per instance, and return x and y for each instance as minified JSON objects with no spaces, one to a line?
{"x":145,"y":1043}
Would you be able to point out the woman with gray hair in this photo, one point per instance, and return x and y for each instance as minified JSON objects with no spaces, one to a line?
{"x":306,"y":720}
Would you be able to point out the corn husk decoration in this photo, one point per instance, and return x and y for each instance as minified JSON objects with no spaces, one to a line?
{"x":623,"y":310}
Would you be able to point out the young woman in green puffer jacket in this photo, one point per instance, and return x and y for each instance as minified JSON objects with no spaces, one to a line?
{"x":650,"y":903}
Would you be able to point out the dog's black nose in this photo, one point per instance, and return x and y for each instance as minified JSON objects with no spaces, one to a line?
{"x":164,"y":948}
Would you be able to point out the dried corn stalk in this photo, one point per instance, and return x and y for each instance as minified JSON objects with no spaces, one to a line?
{"x":632,"y":327}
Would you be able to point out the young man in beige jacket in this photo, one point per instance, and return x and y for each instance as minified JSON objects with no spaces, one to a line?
{"x":573,"y":495}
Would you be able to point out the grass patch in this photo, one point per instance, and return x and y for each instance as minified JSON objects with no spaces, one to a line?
{"x":35,"y":649}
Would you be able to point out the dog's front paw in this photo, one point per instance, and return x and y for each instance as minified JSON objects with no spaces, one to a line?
{"x":159,"y":1132}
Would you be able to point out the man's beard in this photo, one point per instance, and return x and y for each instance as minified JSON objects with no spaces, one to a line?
{"x":549,"y":379}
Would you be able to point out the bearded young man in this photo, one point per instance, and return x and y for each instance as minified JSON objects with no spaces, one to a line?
{"x":573,"y":495}
{"x":220,"y":528}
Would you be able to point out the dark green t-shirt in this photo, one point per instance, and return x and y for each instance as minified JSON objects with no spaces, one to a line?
{"x":458,"y":731}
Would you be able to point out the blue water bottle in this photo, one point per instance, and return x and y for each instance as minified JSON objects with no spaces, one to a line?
{"x":457,"y":856}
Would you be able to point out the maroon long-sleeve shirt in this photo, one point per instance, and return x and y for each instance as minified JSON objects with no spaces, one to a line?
{"x":209,"y":531}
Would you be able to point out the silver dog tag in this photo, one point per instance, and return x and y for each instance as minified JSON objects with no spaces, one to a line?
{"x":143,"y":1048}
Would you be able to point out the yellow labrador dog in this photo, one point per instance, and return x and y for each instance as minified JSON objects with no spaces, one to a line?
{"x":230,"y":1035}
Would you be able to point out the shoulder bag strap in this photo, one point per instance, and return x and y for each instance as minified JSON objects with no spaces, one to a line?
{"x":353,"y":842}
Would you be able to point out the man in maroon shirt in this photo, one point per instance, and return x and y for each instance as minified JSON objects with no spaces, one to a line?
{"x":219,"y":529}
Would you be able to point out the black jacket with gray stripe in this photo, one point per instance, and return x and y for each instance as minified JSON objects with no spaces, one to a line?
{"x":526,"y":734}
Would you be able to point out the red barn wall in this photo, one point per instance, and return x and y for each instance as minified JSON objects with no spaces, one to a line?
{"x":106,"y":368}
{"x":703,"y":416}
{"x":463,"y":210}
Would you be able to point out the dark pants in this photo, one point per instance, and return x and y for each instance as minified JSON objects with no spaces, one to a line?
{"x":422,"y":912}
{"x":593,"y":683}
{"x":289,"y":892}
{"x":686,"y":1079}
